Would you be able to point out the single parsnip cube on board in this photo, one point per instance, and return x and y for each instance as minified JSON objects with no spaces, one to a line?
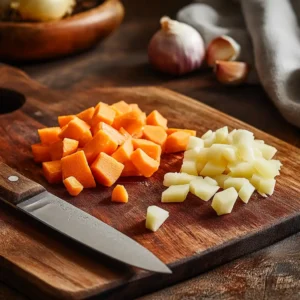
{"x":194,"y":183}
{"x":255,"y":180}
{"x":213,"y":169}
{"x":215,"y":153}
{"x":211,"y":181}
{"x":267,"y":151}
{"x":230,"y":154}
{"x":210,"y":140}
{"x":235,"y":182}
{"x":177,"y":179}
{"x":265,"y":168}
{"x":230,"y":137}
{"x":243,"y":137}
{"x":221,"y":179}
{"x":242,"y":169}
{"x":175,"y":193}
{"x":202,"y":189}
{"x":221,"y":135}
{"x":246,"y":191}
{"x":192,"y":154}
{"x":224,"y":201}
{"x":257,"y":153}
{"x":207,"y":134}
{"x":195,"y":142}
{"x":245,"y":152}
{"x":189,"y":167}
{"x":266,"y":186}
{"x":156,"y":216}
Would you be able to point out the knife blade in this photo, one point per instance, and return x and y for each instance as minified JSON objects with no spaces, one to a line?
{"x":32,"y":199}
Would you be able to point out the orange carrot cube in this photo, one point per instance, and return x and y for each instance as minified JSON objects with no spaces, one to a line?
{"x":156,"y":119}
{"x":136,"y":108}
{"x":156,"y":134}
{"x":87,"y":115}
{"x":124,"y":152}
{"x":40,"y":152}
{"x":177,"y":142}
{"x":53,"y":171}
{"x":130,"y":170}
{"x":85,"y":138}
{"x":119,"y":194}
{"x":103,"y":113}
{"x":125,"y":133}
{"x":150,"y":148}
{"x":172,"y":130}
{"x":64,"y":120}
{"x":121,"y":108}
{"x":75,"y":129}
{"x":110,"y":131}
{"x":132,"y":122}
{"x":63,"y":148}
{"x":73,"y":186}
{"x":49,"y":135}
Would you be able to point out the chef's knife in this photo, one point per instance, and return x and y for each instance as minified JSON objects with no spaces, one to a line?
{"x":31,"y":198}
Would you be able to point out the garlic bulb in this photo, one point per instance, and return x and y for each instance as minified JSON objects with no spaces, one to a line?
{"x":176,"y":48}
{"x":43,"y":10}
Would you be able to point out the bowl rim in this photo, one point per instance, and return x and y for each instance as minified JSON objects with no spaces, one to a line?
{"x":79,"y":16}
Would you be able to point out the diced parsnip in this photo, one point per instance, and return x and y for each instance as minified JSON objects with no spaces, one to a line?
{"x":230,"y":154}
{"x":259,"y":141}
{"x":177,"y":178}
{"x":210,"y":140}
{"x":255,"y":179}
{"x":242,"y":136}
{"x":189,"y":167}
{"x":224,"y":201}
{"x":203,"y":154}
{"x":216,"y":151}
{"x":221,"y":135}
{"x":156,"y":216}
{"x":266,"y":186}
{"x":246,"y":152}
{"x":230,"y":136}
{"x":257,"y":153}
{"x":211,"y":181}
{"x":175,"y":193}
{"x":267,"y":151}
{"x":221,"y":179}
{"x":236,"y":183}
{"x":276,"y":163}
{"x":213,"y":169}
{"x":194,"y":183}
{"x":246,"y":191}
{"x":195,"y":142}
{"x":207,"y":134}
{"x":265,"y":168}
{"x":191,"y":154}
{"x":202,"y":189}
{"x":262,"y":194}
{"x":241,"y":169}
{"x":200,"y":165}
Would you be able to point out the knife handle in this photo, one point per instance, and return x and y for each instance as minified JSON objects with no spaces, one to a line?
{"x":14,"y":187}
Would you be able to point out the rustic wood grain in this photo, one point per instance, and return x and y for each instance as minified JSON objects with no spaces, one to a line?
{"x":198,"y":239}
{"x":46,"y":40}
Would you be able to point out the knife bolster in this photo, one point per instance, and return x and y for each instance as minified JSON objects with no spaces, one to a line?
{"x":14,"y":187}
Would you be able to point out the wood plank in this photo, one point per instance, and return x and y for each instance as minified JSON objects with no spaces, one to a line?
{"x":191,"y":241}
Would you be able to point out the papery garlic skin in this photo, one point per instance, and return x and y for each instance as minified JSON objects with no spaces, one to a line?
{"x":176,"y":48}
{"x":43,"y":10}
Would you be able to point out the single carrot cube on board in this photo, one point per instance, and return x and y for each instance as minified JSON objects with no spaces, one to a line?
{"x":150,"y":148}
{"x":40,"y":152}
{"x":121,"y":108}
{"x":119,"y":194}
{"x":106,"y":169}
{"x":110,"y":131}
{"x":144,"y":163}
{"x":136,"y":108}
{"x":101,"y":142}
{"x":130,"y":170}
{"x":63,"y":148}
{"x":172,"y":130}
{"x":156,"y":134}
{"x":103,"y":113}
{"x":85,"y":138}
{"x":156,"y":119}
{"x":125,"y":133}
{"x":73,"y":186}
{"x":75,"y":129}
{"x":87,"y":115}
{"x":132,"y":122}
{"x":76,"y":165}
{"x":53,"y":171}
{"x":124,"y":152}
{"x":64,"y":120}
{"x":177,"y":142}
{"x":49,"y":135}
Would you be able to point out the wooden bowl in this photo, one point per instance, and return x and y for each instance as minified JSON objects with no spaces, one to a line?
{"x":21,"y":41}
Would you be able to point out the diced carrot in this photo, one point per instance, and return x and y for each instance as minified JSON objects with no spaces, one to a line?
{"x":121,"y":108}
{"x":119,"y":194}
{"x":75,"y":129}
{"x":125,"y":133}
{"x":63,"y":148}
{"x":110,"y":131}
{"x":85,"y":138}
{"x":103,"y":113}
{"x":49,"y":135}
{"x":172,"y":130}
{"x":76,"y":165}
{"x":130,"y":170}
{"x":135,"y":107}
{"x":132,"y":122}
{"x":150,"y":148}
{"x":144,"y":163}
{"x":53,"y":171}
{"x":73,"y":186}
{"x":79,"y":149}
{"x":106,"y":169}
{"x":101,"y":142}
{"x":177,"y":142}
{"x":138,"y":134}
{"x":156,"y":119}
{"x":40,"y":152}
{"x":87,"y":115}
{"x":156,"y":134}
{"x":64,"y":120}
{"x":124,"y":152}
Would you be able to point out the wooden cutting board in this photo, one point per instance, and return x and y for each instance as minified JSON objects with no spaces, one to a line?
{"x":39,"y":261}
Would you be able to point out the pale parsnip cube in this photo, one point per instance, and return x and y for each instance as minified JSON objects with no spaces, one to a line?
{"x":276,"y":163}
{"x":210,"y":140}
{"x":242,"y":136}
{"x":255,"y":180}
{"x":216,"y":151}
{"x":207,"y":134}
{"x":203,"y":154}
{"x":262,"y":194}
{"x":229,"y":154}
{"x":246,"y":191}
{"x":177,"y":178}
{"x":195,"y":142}
{"x":224,"y":201}
{"x":202,"y":189}
{"x":221,"y":179}
{"x":211,"y":181}
{"x":241,"y":169}
{"x":195,"y":183}
{"x":221,"y":135}
{"x":175,"y":193}
{"x":235,"y":182}
{"x":265,"y":168}
{"x":213,"y":169}
{"x":266,"y":186}
{"x":230,"y":137}
{"x":259,"y":141}
{"x":257,"y":153}
{"x":189,"y":167}
{"x":156,"y":216}
{"x":200,"y":165}
{"x":191,"y":154}
{"x":267,"y":151}
{"x":246,"y":152}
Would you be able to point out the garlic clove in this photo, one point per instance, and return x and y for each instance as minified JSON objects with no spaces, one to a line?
{"x":231,"y":72}
{"x":222,"y":48}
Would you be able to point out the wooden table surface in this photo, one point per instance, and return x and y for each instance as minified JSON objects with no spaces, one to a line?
{"x":121,"y":60}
